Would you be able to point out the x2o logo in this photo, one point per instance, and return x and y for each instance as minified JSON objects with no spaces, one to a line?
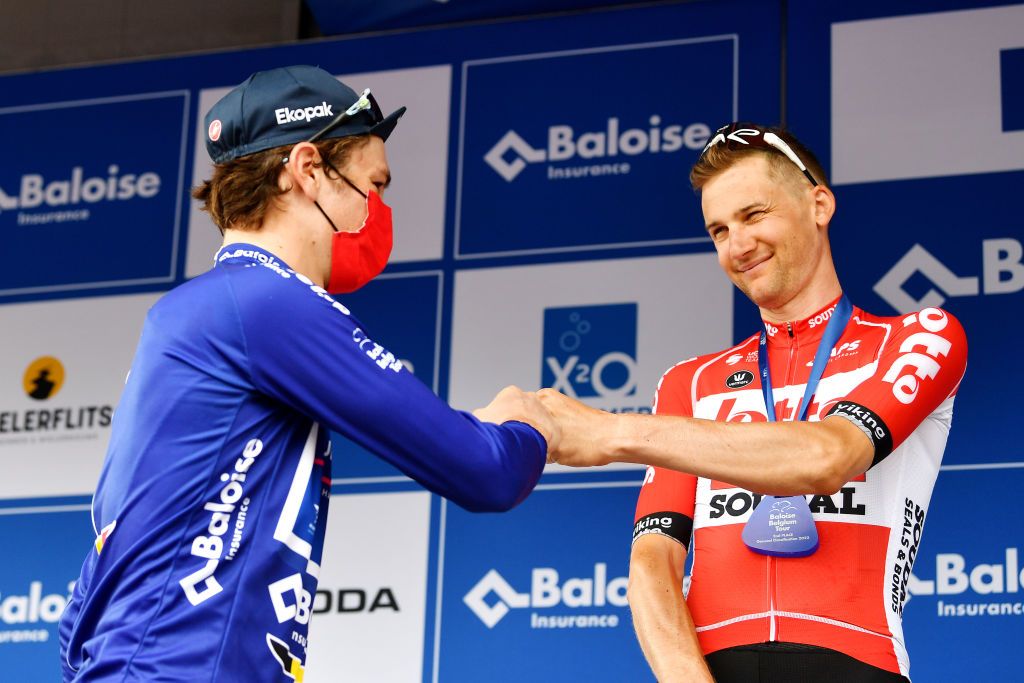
{"x":590,"y":351}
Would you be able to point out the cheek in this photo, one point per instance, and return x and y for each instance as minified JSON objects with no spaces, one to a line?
{"x":722,"y":251}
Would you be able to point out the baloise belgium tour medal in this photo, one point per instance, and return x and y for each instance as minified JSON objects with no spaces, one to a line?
{"x":783,"y":526}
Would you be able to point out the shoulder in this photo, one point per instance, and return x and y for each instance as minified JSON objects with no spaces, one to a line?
{"x":921,"y":331}
{"x":266,"y":293}
{"x":680,"y":379}
{"x":923,"y":348}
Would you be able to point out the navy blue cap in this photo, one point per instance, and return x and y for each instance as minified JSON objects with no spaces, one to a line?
{"x":286,"y":106}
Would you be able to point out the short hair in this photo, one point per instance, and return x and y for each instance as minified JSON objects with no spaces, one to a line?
{"x":719,"y":158}
{"x":241,"y":190}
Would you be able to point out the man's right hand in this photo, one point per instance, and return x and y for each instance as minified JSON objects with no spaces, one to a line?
{"x":512,"y":403}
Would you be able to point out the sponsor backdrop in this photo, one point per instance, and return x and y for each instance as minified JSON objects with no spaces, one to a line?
{"x":545,"y":237}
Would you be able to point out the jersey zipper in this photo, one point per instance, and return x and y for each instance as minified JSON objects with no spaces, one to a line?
{"x":773,"y":567}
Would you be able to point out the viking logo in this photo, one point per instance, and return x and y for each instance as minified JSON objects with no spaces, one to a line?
{"x":43,"y":378}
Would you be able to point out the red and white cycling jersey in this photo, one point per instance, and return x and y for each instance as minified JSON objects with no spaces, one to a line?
{"x":895,"y":378}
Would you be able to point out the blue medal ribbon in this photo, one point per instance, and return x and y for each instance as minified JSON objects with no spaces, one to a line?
{"x":784,"y":526}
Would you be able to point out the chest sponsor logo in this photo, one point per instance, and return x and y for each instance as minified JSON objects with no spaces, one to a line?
{"x":556,"y":601}
{"x":738,"y":380}
{"x":740,"y":503}
{"x":842,"y":351}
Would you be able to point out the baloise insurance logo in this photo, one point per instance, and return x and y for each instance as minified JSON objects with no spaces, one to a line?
{"x":556,"y":602}
{"x":989,"y":585}
{"x":579,"y":154}
{"x":590,"y":352}
{"x":69,"y":197}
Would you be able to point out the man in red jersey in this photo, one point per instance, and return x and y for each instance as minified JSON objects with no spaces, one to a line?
{"x":803,"y":532}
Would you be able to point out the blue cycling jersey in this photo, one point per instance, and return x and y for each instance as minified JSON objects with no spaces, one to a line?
{"x":212,"y":503}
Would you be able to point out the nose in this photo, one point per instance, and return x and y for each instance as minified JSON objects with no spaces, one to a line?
{"x":741,"y":242}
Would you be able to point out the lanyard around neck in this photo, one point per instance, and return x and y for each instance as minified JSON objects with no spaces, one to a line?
{"x":833,"y":331}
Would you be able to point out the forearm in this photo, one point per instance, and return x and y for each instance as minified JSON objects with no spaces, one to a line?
{"x":780,"y":458}
{"x":662,"y":621}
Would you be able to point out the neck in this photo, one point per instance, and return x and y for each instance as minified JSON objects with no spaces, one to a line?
{"x":286,"y":240}
{"x":806,"y":302}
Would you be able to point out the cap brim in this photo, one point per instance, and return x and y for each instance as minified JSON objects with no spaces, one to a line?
{"x":384,"y":128}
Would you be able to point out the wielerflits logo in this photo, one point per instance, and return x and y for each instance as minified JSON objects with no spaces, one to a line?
{"x":590,"y":351}
{"x":598,"y":153}
{"x":43,"y":378}
{"x":42,"y":381}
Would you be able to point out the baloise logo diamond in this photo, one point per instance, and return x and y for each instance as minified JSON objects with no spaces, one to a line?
{"x":548,"y":591}
{"x":602,"y":151}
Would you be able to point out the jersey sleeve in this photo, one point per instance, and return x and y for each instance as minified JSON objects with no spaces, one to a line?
{"x":306,"y":351}
{"x":666,"y":502}
{"x":919,"y":367}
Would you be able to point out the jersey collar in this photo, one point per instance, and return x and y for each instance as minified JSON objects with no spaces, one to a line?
{"x":808,"y":330}
{"x":242,"y":253}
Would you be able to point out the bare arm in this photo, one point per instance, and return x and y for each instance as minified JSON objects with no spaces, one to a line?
{"x":660,"y":616}
{"x":780,"y":458}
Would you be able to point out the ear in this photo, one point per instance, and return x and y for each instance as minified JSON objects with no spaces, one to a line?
{"x":300,"y":170}
{"x":824,"y":205}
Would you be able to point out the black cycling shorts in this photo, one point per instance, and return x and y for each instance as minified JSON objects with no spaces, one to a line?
{"x":793,"y":663}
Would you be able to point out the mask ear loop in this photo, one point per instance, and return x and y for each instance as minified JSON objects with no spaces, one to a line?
{"x":359,"y":105}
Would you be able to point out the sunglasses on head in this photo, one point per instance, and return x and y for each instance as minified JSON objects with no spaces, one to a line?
{"x":366,"y":103}
{"x":753,"y":136}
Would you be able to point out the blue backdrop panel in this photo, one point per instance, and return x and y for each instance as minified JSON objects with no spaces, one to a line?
{"x":877,"y":224}
{"x":539,"y":593}
{"x":45,"y":552}
{"x":582,"y":151}
{"x":965,"y":619}
{"x":94,"y":184}
{"x":945,"y":234}
{"x":346,"y":16}
{"x":404,"y":310}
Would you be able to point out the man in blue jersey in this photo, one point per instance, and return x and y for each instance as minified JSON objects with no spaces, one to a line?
{"x":212,"y":503}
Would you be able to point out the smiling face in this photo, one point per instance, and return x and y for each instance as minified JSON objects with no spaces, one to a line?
{"x":770,"y":232}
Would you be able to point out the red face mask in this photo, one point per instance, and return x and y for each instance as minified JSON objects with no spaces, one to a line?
{"x":358,"y":257}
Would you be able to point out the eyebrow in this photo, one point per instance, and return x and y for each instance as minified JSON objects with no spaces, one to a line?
{"x":738,"y":212}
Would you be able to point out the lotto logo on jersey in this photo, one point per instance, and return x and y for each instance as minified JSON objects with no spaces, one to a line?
{"x":590,"y":351}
